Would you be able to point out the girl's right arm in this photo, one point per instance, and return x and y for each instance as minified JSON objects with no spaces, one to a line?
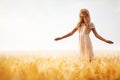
{"x":67,"y":35}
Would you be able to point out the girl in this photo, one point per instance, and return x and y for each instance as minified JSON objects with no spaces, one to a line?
{"x":85,"y":26}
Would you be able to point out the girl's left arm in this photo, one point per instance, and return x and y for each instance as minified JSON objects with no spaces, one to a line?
{"x":100,"y":37}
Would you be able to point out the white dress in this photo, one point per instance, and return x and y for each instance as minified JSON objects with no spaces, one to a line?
{"x":86,"y":49}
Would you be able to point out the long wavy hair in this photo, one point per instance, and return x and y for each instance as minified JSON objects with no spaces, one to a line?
{"x":84,"y":13}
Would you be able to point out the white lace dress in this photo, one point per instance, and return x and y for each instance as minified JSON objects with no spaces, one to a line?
{"x":86,"y":49}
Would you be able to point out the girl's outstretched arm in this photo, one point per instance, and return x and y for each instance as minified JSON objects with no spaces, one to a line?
{"x":67,"y":35}
{"x":99,"y":37}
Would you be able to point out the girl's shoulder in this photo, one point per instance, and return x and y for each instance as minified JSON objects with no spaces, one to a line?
{"x":92,"y":25}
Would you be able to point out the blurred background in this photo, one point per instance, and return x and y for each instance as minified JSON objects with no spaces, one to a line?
{"x":33,"y":24}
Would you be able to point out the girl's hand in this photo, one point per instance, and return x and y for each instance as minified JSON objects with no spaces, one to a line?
{"x":59,"y":38}
{"x":110,"y":42}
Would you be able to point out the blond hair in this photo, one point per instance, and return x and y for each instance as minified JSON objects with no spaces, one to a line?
{"x":86,"y":13}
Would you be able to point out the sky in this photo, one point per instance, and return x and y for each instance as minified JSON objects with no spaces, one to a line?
{"x":33,"y":24}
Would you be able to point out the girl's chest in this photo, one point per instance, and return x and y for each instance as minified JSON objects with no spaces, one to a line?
{"x":84,"y":30}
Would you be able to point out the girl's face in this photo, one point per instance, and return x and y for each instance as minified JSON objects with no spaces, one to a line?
{"x":84,"y":17}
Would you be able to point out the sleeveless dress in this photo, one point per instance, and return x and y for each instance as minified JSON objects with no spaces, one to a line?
{"x":86,"y":49}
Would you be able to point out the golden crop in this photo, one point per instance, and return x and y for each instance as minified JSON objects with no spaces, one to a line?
{"x":63,"y":68}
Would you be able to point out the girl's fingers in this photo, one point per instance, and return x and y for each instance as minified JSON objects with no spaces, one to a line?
{"x":57,"y":39}
{"x":110,"y":42}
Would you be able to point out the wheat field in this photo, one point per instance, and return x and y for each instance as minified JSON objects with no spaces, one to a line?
{"x":30,"y":67}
